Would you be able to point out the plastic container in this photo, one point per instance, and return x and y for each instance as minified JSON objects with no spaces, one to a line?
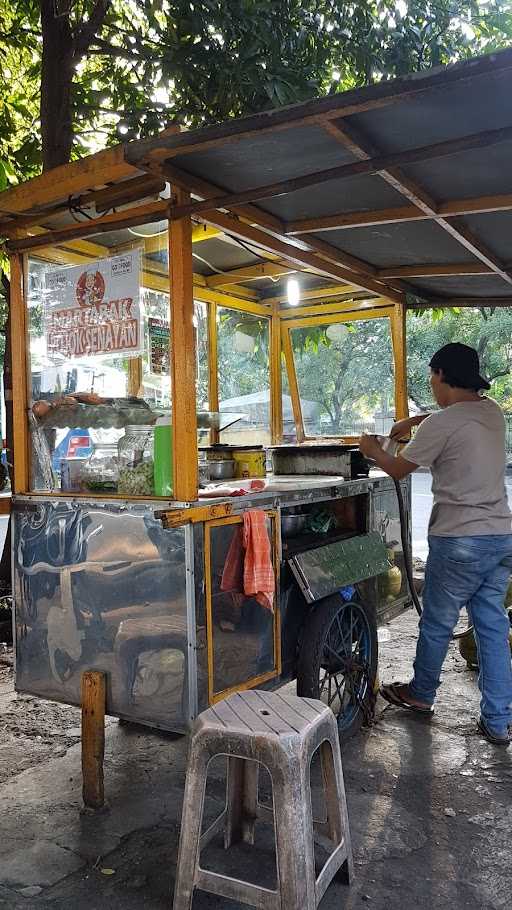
{"x":249,"y":462}
{"x":136,"y":461}
{"x":101,"y":471}
{"x":71,"y":474}
{"x":163,"y":457}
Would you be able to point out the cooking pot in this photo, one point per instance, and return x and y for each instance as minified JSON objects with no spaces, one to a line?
{"x":292,"y":525}
{"x":221,"y":470}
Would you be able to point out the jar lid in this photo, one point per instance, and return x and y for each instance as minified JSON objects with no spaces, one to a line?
{"x":139,"y":428}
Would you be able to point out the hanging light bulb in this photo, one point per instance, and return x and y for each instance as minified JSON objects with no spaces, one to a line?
{"x":293,"y":291}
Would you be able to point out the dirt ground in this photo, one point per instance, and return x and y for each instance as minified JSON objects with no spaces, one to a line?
{"x":430,"y":808}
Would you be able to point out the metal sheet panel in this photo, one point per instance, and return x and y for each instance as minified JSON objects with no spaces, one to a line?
{"x":100,"y":586}
{"x":326,"y":569}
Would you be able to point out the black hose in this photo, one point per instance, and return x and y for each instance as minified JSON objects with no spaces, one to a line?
{"x":408,"y":558}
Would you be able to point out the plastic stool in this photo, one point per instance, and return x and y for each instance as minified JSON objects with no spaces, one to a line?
{"x":282,"y":733}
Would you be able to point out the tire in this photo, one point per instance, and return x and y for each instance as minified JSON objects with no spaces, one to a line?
{"x":322,"y":664}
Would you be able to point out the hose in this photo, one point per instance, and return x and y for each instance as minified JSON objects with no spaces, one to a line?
{"x":408,"y":559}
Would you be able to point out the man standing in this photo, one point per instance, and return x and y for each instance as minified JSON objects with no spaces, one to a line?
{"x":470,"y":535}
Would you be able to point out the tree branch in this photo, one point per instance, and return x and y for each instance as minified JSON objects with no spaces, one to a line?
{"x":86,"y":35}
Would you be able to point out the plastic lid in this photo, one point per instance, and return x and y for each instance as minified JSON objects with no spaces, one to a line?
{"x":163,"y":422}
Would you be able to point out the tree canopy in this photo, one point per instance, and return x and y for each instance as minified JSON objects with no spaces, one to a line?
{"x":80,"y":74}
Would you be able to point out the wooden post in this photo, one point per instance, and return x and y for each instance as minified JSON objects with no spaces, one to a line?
{"x":135,"y":376}
{"x":276,"y":384}
{"x":183,"y":356}
{"x":293,"y":384}
{"x":93,"y":738}
{"x":399,"y":340}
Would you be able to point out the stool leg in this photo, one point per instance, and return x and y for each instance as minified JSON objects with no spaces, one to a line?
{"x":336,"y":803}
{"x":293,"y":820}
{"x":190,"y":836}
{"x":241,"y":801}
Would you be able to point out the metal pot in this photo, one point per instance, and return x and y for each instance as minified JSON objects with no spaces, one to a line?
{"x":221,"y":470}
{"x":292,"y":525}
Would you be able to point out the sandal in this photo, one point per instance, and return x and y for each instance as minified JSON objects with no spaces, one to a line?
{"x":391,"y":694}
{"x":494,"y":738}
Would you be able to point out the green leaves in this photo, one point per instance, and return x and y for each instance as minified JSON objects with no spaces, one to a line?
{"x":202,"y":61}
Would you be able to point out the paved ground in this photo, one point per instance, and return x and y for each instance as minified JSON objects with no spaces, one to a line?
{"x":430,"y":809}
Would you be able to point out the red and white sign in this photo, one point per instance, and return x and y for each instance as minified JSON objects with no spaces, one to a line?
{"x":94,"y":309}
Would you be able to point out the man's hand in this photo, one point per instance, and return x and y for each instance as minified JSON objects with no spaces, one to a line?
{"x":396,"y":467}
{"x":402,"y":428}
{"x":369,"y":447}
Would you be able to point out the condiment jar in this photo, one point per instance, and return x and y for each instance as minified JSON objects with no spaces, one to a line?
{"x":101,"y":471}
{"x":136,"y":464}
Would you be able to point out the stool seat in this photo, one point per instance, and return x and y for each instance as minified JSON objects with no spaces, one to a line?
{"x":282,"y":733}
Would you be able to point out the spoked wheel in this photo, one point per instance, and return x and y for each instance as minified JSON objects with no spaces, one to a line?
{"x":338,"y":660}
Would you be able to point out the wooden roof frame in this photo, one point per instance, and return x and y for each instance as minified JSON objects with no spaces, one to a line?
{"x":136,"y":172}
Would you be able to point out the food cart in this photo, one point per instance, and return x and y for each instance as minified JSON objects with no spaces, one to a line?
{"x":142,"y":278}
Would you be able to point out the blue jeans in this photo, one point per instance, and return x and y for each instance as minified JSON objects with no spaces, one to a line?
{"x":470,"y":572}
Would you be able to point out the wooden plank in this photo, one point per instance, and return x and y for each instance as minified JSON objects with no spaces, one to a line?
{"x":67,"y":180}
{"x":311,"y":112}
{"x":348,"y":316}
{"x":142,"y":214}
{"x":479,"y":205}
{"x":122,"y":193}
{"x":229,"y":300}
{"x":231,"y":225}
{"x":347,"y":220}
{"x":315,"y":293}
{"x":183,"y":358}
{"x":20,"y":440}
{"x":249,"y":273}
{"x":371,"y":165}
{"x":340,"y":306}
{"x":434,"y":271}
{"x":358,"y":144}
{"x":93,"y":738}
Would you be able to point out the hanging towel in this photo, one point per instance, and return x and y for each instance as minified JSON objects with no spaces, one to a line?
{"x":259,"y":579}
{"x":248,"y":565}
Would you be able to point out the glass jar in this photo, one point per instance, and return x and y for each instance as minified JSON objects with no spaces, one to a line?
{"x":101,"y":470}
{"x":136,"y":465}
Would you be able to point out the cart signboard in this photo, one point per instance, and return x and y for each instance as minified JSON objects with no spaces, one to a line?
{"x":158,"y":330}
{"x":95,"y":308}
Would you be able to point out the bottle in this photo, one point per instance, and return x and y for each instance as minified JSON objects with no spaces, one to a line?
{"x":163,"y":457}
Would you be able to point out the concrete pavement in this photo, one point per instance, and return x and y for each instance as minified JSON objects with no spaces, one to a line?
{"x":429,"y":802}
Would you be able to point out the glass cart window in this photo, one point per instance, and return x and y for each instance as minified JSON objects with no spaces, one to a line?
{"x":244,"y":376}
{"x":98,"y":342}
{"x":345,"y":376}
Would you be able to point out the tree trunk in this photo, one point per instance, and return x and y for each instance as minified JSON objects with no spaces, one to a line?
{"x":56,"y":86}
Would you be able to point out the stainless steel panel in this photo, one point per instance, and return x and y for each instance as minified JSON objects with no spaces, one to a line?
{"x":103,"y":586}
{"x":385,"y":519}
{"x":328,"y":568}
